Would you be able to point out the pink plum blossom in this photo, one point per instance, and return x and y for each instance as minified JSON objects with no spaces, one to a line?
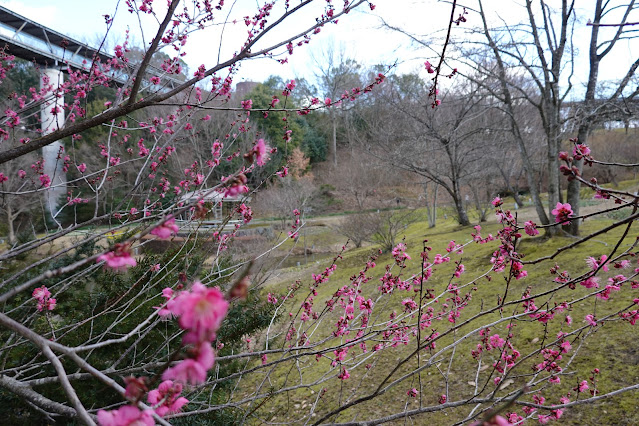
{"x":283,"y":172}
{"x":562,"y":213}
{"x":497,"y":341}
{"x":410,"y":305}
{"x":165,"y":312}
{"x":168,"y":396}
{"x":186,"y":371}
{"x":624,"y":264}
{"x":135,"y":387}
{"x":429,"y":67}
{"x":261,"y":155}
{"x":45,"y":180}
{"x":118,"y":259}
{"x":166,"y":230}
{"x":46,"y":304}
{"x":236,"y":186}
{"x":41,"y":293}
{"x":590,"y":282}
{"x":590,"y":319}
{"x":399,"y":253}
{"x":518,"y":270}
{"x":192,"y":370}
{"x":43,"y":296}
{"x":127,"y":415}
{"x":580,"y":150}
{"x":344,"y":375}
{"x":583,"y":386}
{"x":531,"y":228}
{"x":200,"y":311}
{"x":594,"y":264}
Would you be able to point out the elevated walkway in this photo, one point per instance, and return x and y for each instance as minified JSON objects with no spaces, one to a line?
{"x":28,"y":40}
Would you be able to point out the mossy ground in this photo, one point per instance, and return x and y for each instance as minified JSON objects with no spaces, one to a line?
{"x":612,"y":348}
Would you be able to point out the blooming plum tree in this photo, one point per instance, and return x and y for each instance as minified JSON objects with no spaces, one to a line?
{"x":97,"y":328}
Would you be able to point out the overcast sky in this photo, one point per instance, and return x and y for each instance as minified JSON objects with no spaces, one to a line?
{"x":359,"y":33}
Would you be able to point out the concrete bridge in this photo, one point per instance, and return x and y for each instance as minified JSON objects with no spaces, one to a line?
{"x":54,"y":53}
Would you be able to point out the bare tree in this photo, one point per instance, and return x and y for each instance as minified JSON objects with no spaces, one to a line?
{"x":595,"y":110}
{"x":390,"y":224}
{"x":359,"y":227}
{"x":444,"y":145}
{"x":539,"y":51}
{"x":337,"y":74}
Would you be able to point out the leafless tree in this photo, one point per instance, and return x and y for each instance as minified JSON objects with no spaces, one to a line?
{"x":445,"y":145}
{"x":337,"y":74}
{"x":595,"y":110}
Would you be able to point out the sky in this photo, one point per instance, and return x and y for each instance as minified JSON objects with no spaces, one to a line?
{"x":358,"y":34}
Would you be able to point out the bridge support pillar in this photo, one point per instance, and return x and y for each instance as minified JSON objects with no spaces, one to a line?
{"x":52,"y":119}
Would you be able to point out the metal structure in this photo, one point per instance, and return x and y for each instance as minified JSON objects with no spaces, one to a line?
{"x":54,"y":53}
{"x":28,"y":40}
{"x":31,"y":41}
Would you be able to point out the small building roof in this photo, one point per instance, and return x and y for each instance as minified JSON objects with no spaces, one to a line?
{"x":211,"y":195}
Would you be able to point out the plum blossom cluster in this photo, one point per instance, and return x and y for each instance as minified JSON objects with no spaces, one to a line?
{"x":478,"y":238}
{"x":235,"y":185}
{"x":294,"y":232}
{"x":562,"y":213}
{"x":506,"y":255}
{"x":579,"y":152}
{"x":166,"y":398}
{"x":399,"y":253}
{"x":43,"y":298}
{"x":508,"y":354}
{"x":119,"y":258}
{"x":259,"y":153}
{"x":200,"y":312}
{"x":166,"y":229}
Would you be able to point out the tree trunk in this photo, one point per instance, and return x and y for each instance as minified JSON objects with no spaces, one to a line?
{"x":512,"y":189}
{"x":514,"y":126}
{"x":532,"y":182}
{"x":553,"y":169}
{"x":333,"y":147}
{"x":461,"y":212}
{"x":480,"y":209}
{"x":433,"y":219}
{"x":10,"y":219}
{"x":459,"y":205}
{"x":574,"y":186}
{"x":431,"y":208}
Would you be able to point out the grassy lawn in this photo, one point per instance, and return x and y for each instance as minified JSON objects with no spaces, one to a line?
{"x":612,"y":347}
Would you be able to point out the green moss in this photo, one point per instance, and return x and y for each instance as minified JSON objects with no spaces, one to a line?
{"x":609,"y":349}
